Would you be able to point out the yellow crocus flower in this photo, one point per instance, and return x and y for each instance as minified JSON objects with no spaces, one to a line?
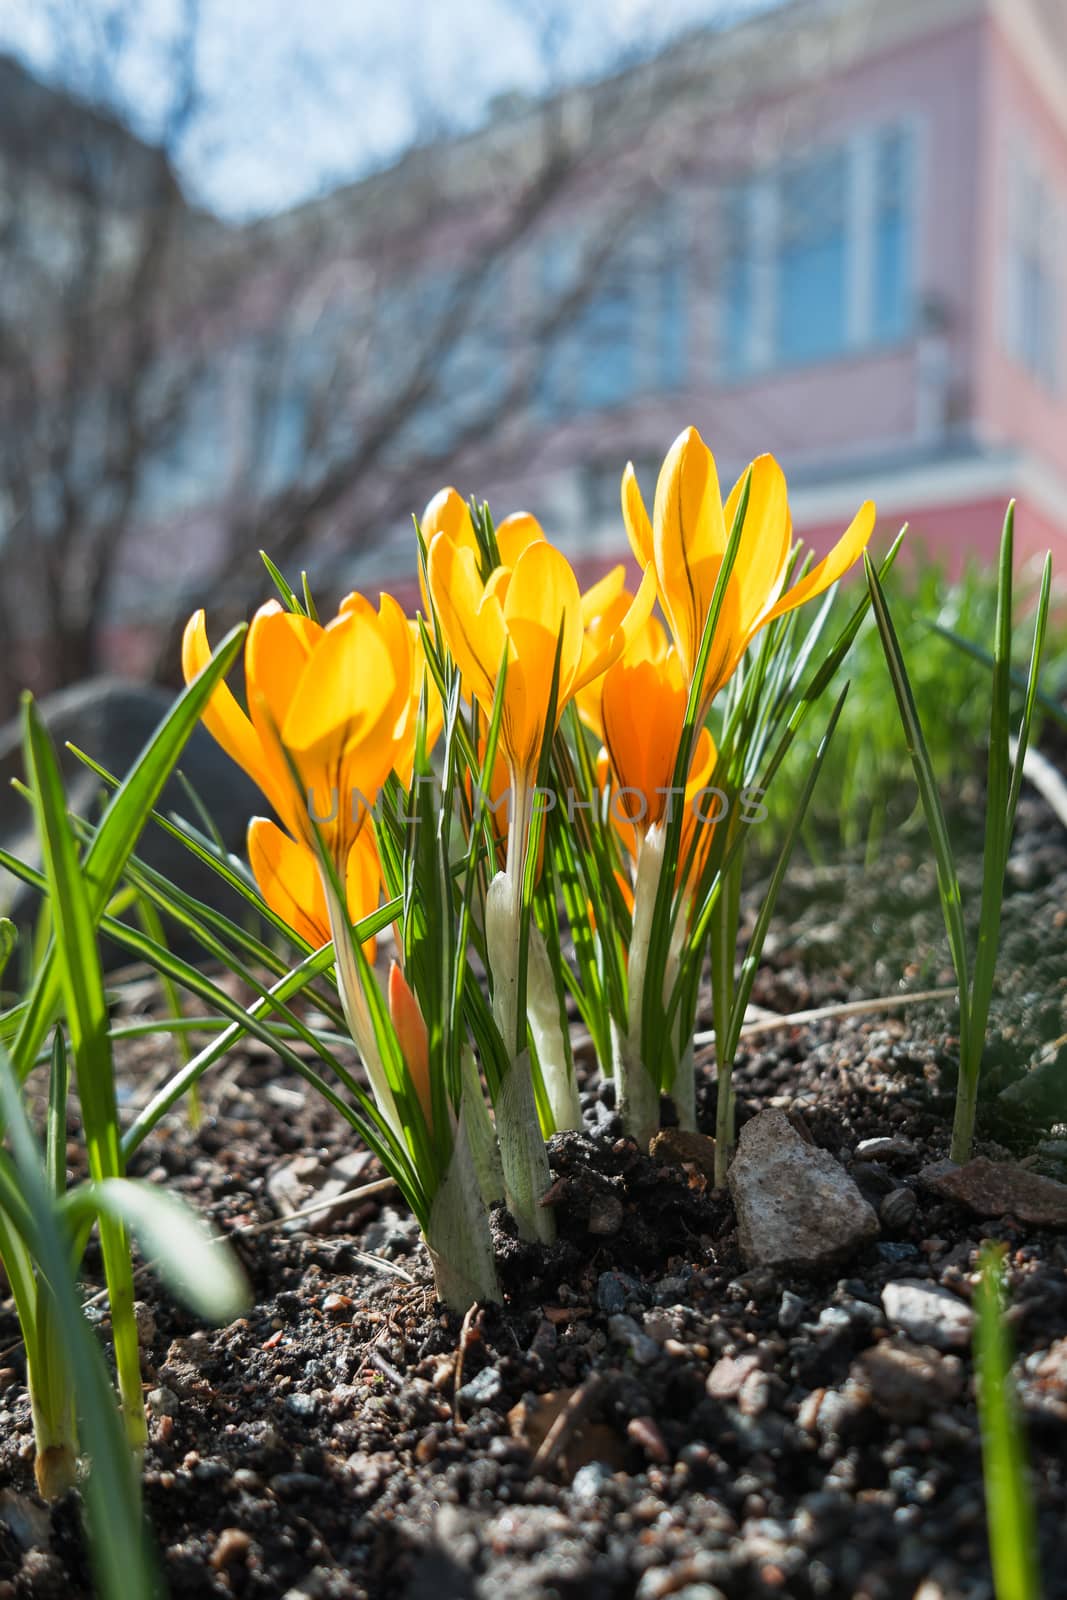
{"x":289,"y":879}
{"x":329,"y":714}
{"x":686,"y":540}
{"x":519,"y":613}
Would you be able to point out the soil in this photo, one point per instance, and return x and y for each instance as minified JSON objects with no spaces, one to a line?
{"x":726,"y":1430}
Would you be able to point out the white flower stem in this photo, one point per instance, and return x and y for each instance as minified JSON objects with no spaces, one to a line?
{"x":357,"y":1014}
{"x":542,"y":1008}
{"x":637,"y":1093}
{"x":522,"y":1147}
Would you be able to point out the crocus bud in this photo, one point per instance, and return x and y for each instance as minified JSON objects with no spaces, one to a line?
{"x":412,"y":1036}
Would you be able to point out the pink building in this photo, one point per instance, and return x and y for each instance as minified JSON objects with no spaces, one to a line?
{"x":836,"y":231}
{"x":870,"y":280}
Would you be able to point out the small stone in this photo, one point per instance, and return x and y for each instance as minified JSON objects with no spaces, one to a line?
{"x":27,"y":1522}
{"x":791,"y":1311}
{"x":590,"y":1481}
{"x":908,"y":1381}
{"x":645,"y":1432}
{"x":999,"y":1189}
{"x":728,"y":1374}
{"x":145,"y":1319}
{"x":928,"y":1314}
{"x":624,"y":1330}
{"x":897,"y":1210}
{"x":675,"y":1147}
{"x":162,"y":1402}
{"x":300,"y":1405}
{"x":885,"y":1149}
{"x":605,"y":1214}
{"x":614,"y":1290}
{"x":483,"y":1389}
{"x":336,"y":1306}
{"x":796,"y":1206}
{"x":230,"y":1547}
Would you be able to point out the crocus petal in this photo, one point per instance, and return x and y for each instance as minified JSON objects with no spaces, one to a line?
{"x":598,"y":652}
{"x":412,"y":1037}
{"x":848,"y":549}
{"x":515,"y":534}
{"x":223,"y":717}
{"x":689,"y":538}
{"x":543,"y":608}
{"x":449,"y":513}
{"x":363,"y":882}
{"x":763,"y":552}
{"x":474,"y":632}
{"x":606,"y":596}
{"x":276,"y":654}
{"x":635,"y":518}
{"x":289,"y":880}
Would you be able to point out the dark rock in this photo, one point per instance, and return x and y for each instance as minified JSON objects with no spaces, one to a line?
{"x":999,"y":1189}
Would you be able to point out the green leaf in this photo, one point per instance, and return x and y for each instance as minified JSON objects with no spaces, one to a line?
{"x":199,"y":1270}
{"x":9,"y":938}
{"x":1010,"y":1518}
{"x":947,"y":878}
{"x":122,"y":1564}
{"x":117,"y":834}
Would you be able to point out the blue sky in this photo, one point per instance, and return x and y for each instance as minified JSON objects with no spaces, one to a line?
{"x":295,"y":98}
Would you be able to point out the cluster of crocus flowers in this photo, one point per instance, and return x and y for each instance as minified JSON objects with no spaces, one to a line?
{"x":335,"y":710}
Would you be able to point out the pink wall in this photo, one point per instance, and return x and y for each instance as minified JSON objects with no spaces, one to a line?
{"x":1011,"y":404}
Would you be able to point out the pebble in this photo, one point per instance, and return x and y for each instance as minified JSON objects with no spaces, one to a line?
{"x":483,"y":1389}
{"x":729,"y":1373}
{"x":796,"y":1206}
{"x":232,"y":1546}
{"x":28,"y":1523}
{"x":162,"y":1402}
{"x":624,"y":1330}
{"x":906,"y":1380}
{"x":301,"y":1405}
{"x":928,"y":1314}
{"x":896,"y":1148}
{"x":614,"y":1290}
{"x":999,"y":1189}
{"x":791,"y":1311}
{"x":590,"y":1481}
{"x":897,"y":1210}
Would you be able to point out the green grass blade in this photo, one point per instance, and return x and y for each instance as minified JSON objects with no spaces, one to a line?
{"x":1010,"y":1518}
{"x":947,"y":877}
{"x":81,"y":983}
{"x":199,"y":1269}
{"x":117,"y":833}
{"x":123,"y":1567}
{"x":56,"y":1139}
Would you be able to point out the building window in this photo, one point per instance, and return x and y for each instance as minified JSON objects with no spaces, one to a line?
{"x":738,"y":274}
{"x":1033,"y":326}
{"x":812,"y":256}
{"x":892,"y":234}
{"x":817,"y":255}
{"x":589,"y":360}
{"x":603,"y":344}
